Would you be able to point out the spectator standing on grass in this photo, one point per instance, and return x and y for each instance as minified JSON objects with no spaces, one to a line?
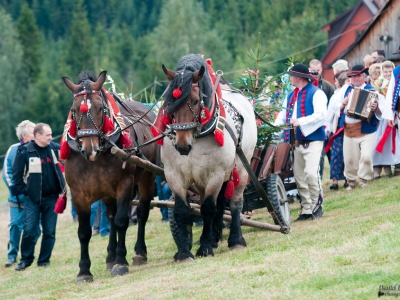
{"x":24,"y":133}
{"x":37,"y":163}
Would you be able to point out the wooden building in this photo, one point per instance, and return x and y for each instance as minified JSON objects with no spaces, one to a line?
{"x":344,"y":31}
{"x":383,"y":32}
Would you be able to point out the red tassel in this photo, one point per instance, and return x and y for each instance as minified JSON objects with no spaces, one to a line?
{"x":229,"y":190}
{"x":84,"y":108}
{"x":125,"y":140}
{"x":166,"y":119}
{"x":65,"y":150}
{"x":72,"y":128}
{"x":207,"y":116}
{"x":219,"y":137}
{"x":108,"y":125}
{"x":155,"y":133}
{"x":176,"y":93}
{"x":235,"y":177}
{"x":61,"y":204}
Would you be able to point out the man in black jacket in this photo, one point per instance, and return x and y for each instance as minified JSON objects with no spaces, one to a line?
{"x":38,"y":176}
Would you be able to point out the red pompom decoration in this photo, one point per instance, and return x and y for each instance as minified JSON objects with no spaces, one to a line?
{"x":176,"y":93}
{"x":84,"y":108}
{"x":108,"y":125}
{"x":61,"y":204}
{"x":65,"y":150}
{"x":235,"y":177}
{"x":207,"y":116}
{"x":72,"y":128}
{"x":156,"y":133}
{"x":166,"y":119}
{"x":229,"y":190}
{"x":125,"y":140}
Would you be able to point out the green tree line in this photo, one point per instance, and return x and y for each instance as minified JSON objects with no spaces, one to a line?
{"x":43,"y":40}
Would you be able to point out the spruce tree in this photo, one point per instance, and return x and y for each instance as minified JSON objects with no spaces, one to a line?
{"x":80,"y":51}
{"x":29,"y":37}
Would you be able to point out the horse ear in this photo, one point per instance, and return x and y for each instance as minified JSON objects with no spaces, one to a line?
{"x":68,"y":82}
{"x":169,"y":73}
{"x":198,"y":75}
{"x":100,"y":81}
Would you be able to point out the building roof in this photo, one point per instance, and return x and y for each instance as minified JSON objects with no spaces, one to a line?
{"x":344,"y":19}
{"x":381,"y":11}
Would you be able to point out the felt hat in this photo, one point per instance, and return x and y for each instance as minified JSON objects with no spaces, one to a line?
{"x":300,"y":70}
{"x":357,"y":70}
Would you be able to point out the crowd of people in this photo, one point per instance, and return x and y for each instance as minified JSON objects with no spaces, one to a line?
{"x":358,"y":148}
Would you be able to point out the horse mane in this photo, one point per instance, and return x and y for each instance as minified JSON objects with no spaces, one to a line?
{"x":85,"y":78}
{"x":187,"y":65}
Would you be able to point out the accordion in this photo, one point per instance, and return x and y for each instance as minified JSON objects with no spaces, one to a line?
{"x":359,"y":105}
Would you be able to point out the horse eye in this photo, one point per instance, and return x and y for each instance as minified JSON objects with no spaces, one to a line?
{"x":196,"y":102}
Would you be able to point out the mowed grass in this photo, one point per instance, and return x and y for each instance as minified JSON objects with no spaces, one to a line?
{"x":347,"y":254}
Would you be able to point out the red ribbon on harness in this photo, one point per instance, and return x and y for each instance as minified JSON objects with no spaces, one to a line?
{"x":329,"y":145}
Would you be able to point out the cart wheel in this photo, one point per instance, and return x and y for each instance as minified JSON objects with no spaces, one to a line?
{"x":277,"y":196}
{"x":174,"y":228}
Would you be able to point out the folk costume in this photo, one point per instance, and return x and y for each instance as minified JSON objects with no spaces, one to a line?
{"x":308,"y":106}
{"x":387,"y":143}
{"x":390,"y":111}
{"x":359,"y":138}
{"x":335,"y":143}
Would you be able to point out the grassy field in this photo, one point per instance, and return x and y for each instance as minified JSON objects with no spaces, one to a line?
{"x":347,"y":254}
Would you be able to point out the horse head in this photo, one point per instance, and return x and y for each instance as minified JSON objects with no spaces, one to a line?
{"x":88,"y":111}
{"x":184,"y":103}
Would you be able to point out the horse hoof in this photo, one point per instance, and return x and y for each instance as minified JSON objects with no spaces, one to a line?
{"x":236,"y":247}
{"x":138,"y":260}
{"x":182,"y":261}
{"x":84,"y":279}
{"x":119,"y":270}
{"x":110,"y":266}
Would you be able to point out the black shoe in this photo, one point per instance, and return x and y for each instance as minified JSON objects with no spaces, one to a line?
{"x":45,"y":264}
{"x":318,"y":213}
{"x":345,"y":185}
{"x":304,"y":217}
{"x":9,"y":262}
{"x":21,"y":266}
{"x":334,"y":187}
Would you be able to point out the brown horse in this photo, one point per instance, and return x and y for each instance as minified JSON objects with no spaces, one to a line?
{"x":93,"y":173}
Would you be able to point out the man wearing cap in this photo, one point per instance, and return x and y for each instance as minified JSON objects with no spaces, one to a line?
{"x":359,"y":136}
{"x":306,"y":112}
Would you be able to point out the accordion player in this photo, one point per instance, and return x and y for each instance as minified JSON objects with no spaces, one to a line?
{"x":359,"y":105}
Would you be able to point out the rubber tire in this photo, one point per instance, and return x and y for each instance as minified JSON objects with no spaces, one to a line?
{"x":277,"y":197}
{"x":174,"y":228}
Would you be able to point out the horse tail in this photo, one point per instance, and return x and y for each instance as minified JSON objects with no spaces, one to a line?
{"x":218,"y":224}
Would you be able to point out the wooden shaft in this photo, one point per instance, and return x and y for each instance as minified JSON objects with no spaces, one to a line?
{"x":195,"y":209}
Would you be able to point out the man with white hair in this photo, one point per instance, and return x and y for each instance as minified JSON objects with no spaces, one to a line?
{"x":359,"y":135}
{"x":339,"y":66}
{"x":24,"y":132}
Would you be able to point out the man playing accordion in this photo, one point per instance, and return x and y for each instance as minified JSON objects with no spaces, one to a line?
{"x":359,"y":135}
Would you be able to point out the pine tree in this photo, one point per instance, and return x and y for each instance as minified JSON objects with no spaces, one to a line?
{"x":30,"y":40}
{"x":12,"y":90}
{"x":80,"y":54}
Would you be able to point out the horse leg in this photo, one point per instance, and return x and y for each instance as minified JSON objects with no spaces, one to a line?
{"x":146,"y":193}
{"x":182,"y":216}
{"x":121,"y":222}
{"x":111,"y":205}
{"x":236,"y":239}
{"x":208,"y":212}
{"x":218,"y":220}
{"x":84,"y":234}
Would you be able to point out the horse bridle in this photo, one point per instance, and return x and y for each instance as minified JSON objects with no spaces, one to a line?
{"x":89,"y":132}
{"x":196,"y":124}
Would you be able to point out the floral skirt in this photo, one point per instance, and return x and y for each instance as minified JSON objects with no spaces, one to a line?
{"x":337,"y":162}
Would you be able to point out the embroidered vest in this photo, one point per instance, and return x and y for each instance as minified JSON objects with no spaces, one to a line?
{"x":396,"y":91}
{"x":366,"y":127}
{"x":305,"y":108}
